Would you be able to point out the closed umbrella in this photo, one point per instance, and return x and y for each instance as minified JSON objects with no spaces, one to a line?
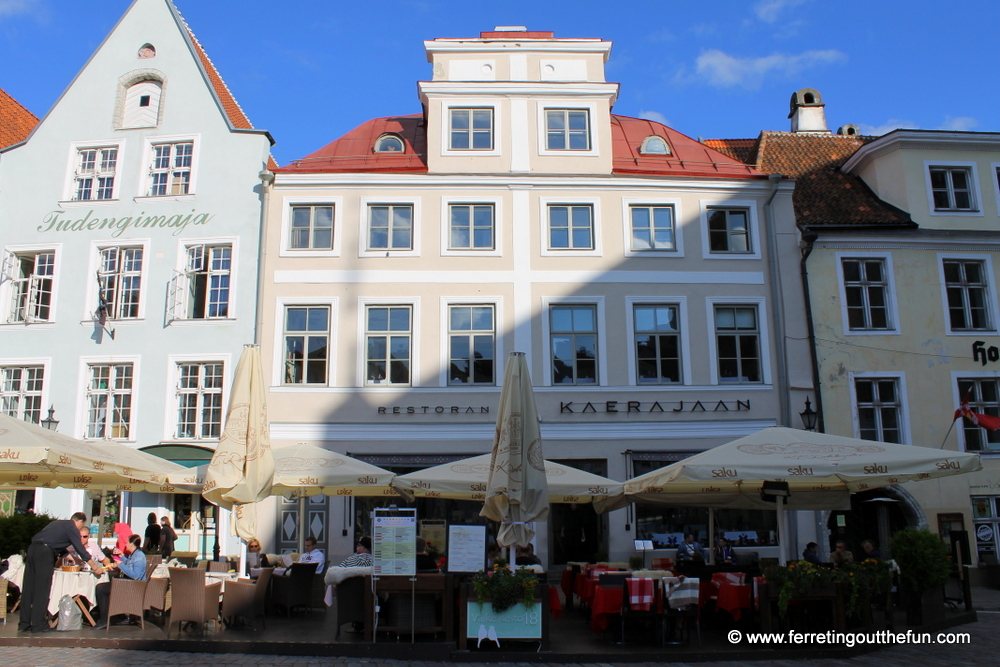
{"x":517,"y":490}
{"x":241,"y":470}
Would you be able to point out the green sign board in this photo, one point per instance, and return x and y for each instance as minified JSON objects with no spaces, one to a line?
{"x":517,"y":622}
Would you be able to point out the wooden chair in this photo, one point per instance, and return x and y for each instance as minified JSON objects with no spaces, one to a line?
{"x":246,"y":599}
{"x":192,"y":600}
{"x":295,"y":588}
{"x":127,"y":597}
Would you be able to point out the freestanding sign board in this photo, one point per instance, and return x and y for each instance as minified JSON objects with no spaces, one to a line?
{"x":466,"y":548}
{"x":394,"y":543}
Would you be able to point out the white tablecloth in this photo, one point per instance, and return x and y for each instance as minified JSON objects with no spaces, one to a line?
{"x":73,"y":583}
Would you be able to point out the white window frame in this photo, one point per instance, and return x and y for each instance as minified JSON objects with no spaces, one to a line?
{"x":286,"y":225}
{"x":976,"y":193}
{"x":447,"y":250}
{"x":556,"y":104}
{"x":170,"y":409}
{"x":299,"y":303}
{"x":762,"y":330}
{"x":365,"y":203}
{"x":602,"y":338}
{"x":995,"y":176}
{"x":543,"y":215}
{"x":886,"y":259}
{"x":177,"y":289}
{"x":362,"y":362}
{"x":991,"y":301}
{"x":628,"y":203}
{"x":96,"y":246}
{"x":445,"y":349}
{"x":278,"y":358}
{"x":145,"y":179}
{"x":681,"y":303}
{"x":10,"y":253}
{"x":45,"y":363}
{"x":69,"y":190}
{"x":957,"y":398}
{"x":750,"y":205}
{"x":904,"y":412}
{"x":470,"y":103}
{"x":82,"y":410}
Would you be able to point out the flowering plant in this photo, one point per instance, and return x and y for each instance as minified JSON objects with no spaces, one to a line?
{"x":798,"y":579}
{"x":505,"y":587}
{"x":867,"y":579}
{"x":802,"y":579}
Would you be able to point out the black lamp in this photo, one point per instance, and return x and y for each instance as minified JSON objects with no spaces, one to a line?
{"x":51,"y":422}
{"x":809,"y":416}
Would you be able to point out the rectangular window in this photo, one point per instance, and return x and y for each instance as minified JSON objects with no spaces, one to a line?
{"x":387,"y":341}
{"x":29,"y":278}
{"x":471,"y":345}
{"x":170,"y":171}
{"x":199,"y":400}
{"x":109,"y":401}
{"x":307,"y":344}
{"x":120,"y":279}
{"x":879,"y":409}
{"x":208,"y":274}
{"x":967,"y":290}
{"x":311,"y":228}
{"x":729,"y":230}
{"x":657,"y":345}
{"x":471,"y":129}
{"x":571,"y":227}
{"x":652,"y":228}
{"x":96,"y":169}
{"x":21,"y":392}
{"x":471,"y":226}
{"x":574,"y":344}
{"x":567,"y":129}
{"x":983,"y":396}
{"x":390,"y":227}
{"x":866,"y":289}
{"x":737,"y":338}
{"x":952,"y":189}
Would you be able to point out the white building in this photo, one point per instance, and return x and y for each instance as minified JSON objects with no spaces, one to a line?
{"x":130,"y":230}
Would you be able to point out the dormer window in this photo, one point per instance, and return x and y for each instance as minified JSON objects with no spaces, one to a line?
{"x":654,"y":145}
{"x":142,"y":104}
{"x":389,"y":143}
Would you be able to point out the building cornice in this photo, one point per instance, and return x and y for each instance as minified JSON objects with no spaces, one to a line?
{"x":552,"y":45}
{"x":921,"y":139}
{"x":535,"y":89}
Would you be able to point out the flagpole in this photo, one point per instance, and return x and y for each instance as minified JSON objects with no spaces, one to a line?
{"x":950,"y":428}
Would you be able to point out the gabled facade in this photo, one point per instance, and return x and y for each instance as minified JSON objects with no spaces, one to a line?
{"x":130,"y":228}
{"x":638,"y":270}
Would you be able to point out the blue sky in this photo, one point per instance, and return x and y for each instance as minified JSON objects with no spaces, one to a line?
{"x":311,"y":70}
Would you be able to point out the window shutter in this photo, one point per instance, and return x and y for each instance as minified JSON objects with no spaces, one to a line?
{"x":176,"y":290}
{"x":32,"y":306}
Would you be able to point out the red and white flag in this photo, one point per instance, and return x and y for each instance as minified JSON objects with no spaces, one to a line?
{"x":986,"y":421}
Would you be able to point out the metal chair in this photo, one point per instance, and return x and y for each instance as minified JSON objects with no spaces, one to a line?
{"x":192,"y":600}
{"x":246,"y":599}
{"x":634,"y":615}
{"x":295,"y":588}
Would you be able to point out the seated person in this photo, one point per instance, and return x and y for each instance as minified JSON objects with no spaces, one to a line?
{"x":526,"y":556}
{"x":96,"y":553}
{"x":870,"y":550}
{"x":132,"y":566}
{"x":313,"y":555}
{"x":253,"y":549}
{"x":840,"y":555}
{"x":811,"y":553}
{"x":724,"y":554}
{"x":362,"y":554}
{"x":424,"y":560}
{"x":688,"y":549}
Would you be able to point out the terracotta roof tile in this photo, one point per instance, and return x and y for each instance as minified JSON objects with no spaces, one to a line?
{"x":744,"y":150}
{"x":354,"y":152}
{"x":16,"y":122}
{"x":229,"y":103}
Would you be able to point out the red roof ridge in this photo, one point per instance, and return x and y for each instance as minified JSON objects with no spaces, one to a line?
{"x":231,"y":107}
{"x":16,"y":122}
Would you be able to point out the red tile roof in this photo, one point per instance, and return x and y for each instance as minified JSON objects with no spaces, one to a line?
{"x":16,"y":122}
{"x":354,"y":152}
{"x":824,"y":196}
{"x":229,"y":103}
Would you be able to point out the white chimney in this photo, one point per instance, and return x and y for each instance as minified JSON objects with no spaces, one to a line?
{"x":807,"y":111}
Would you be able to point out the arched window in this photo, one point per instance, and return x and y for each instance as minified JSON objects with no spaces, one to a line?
{"x":389,"y":143}
{"x":654,"y":145}
{"x":142,"y":104}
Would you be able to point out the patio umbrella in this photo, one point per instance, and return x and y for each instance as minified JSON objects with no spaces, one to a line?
{"x":516,"y":490}
{"x":307,"y":470}
{"x":242,"y":468}
{"x":466,"y":479}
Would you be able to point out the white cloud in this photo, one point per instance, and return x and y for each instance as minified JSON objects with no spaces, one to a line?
{"x":654,"y":116}
{"x":960,"y":123}
{"x":888,"y":126}
{"x":768,"y":10}
{"x":721,"y":69}
{"x":11,"y":7}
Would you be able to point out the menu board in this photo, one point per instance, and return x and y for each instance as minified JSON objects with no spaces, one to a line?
{"x":466,"y":548}
{"x":394,"y":545}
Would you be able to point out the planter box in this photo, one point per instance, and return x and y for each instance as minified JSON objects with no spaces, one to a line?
{"x":926,"y":607}
{"x":517,"y":622}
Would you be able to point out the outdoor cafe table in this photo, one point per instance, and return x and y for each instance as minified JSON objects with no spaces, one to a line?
{"x":734,"y":598}
{"x":73,"y":584}
{"x":607,"y":601}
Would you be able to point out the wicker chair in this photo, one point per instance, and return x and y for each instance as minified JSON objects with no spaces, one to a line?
{"x":350,"y":602}
{"x":192,"y":600}
{"x":246,"y":599}
{"x":3,"y":600}
{"x":155,"y":560}
{"x":295,"y":589}
{"x":127,"y":596}
{"x":218,"y":566}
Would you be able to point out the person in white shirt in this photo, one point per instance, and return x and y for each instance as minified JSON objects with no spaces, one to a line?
{"x":313,"y":555}
{"x":94,"y":550}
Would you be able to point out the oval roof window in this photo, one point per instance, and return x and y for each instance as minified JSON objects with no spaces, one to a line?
{"x":654,"y":145}
{"x":389,"y":143}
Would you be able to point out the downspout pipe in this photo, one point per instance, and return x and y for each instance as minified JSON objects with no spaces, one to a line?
{"x":809,"y":238}
{"x":266,"y":179}
{"x":777,"y":303}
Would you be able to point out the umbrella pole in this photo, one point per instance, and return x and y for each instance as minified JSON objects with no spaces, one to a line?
{"x":302,"y":524}
{"x":711,"y":536}
{"x":780,"y":504}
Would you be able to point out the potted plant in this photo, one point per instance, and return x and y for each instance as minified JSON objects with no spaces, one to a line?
{"x":504,"y":587}
{"x":799,"y":579}
{"x":923,"y":571}
{"x":866,"y":580}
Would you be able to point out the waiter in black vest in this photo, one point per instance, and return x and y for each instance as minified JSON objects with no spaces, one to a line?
{"x":55,"y":538}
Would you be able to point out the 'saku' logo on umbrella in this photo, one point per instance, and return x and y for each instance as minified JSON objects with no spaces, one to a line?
{"x":808,"y":450}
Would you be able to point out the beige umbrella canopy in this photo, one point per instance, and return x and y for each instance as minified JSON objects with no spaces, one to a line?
{"x":517,"y":489}
{"x":33,"y":457}
{"x":307,"y":470}
{"x":821,"y":471}
{"x":467,"y":479}
{"x":240,"y":472}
